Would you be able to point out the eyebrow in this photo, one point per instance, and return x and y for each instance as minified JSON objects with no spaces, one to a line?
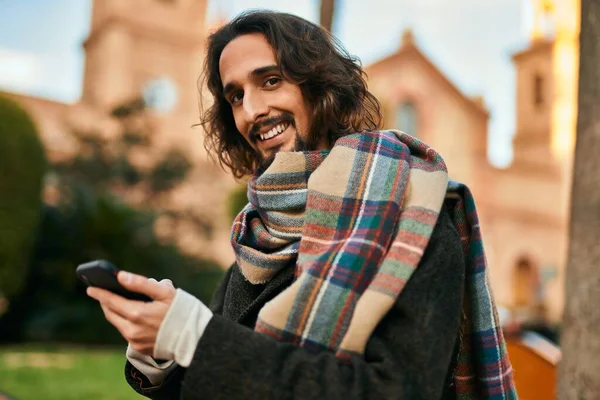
{"x":253,"y":74}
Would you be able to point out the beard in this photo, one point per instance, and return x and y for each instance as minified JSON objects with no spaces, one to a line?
{"x":300,"y":144}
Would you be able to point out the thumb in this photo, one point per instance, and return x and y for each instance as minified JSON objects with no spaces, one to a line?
{"x":141,"y":284}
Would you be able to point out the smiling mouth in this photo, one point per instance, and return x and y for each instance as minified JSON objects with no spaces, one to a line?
{"x":275,"y":131}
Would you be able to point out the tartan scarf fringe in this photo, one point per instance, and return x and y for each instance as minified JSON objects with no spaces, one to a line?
{"x":356,"y":221}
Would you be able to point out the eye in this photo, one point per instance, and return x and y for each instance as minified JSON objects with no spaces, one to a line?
{"x":236,"y":98}
{"x":272,"y":81}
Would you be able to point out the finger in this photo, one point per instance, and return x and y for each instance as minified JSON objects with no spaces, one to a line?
{"x":167,"y":282}
{"x":129,"y":309}
{"x":97,"y":293}
{"x":141,"y":284}
{"x":134,"y":334}
{"x":116,"y":320}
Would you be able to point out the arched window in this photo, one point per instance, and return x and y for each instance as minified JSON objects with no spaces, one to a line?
{"x":406,"y":118}
{"x":538,"y":91}
{"x":526,"y":283}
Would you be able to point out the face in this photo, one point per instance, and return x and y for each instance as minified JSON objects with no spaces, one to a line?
{"x":269,"y":111}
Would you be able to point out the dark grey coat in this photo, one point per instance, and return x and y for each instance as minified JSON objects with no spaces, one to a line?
{"x":409,"y":356}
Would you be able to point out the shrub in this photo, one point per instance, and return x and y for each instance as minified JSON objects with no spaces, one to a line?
{"x":54,"y":306}
{"x":22,"y":166}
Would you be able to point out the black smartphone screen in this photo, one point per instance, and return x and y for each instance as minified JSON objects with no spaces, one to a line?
{"x":103,"y":274}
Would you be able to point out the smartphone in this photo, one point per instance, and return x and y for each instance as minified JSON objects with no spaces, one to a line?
{"x":102,"y":274}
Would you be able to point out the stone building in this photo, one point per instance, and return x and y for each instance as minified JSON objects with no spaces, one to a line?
{"x":151,"y":48}
{"x":155,"y":47}
{"x":524,"y":209}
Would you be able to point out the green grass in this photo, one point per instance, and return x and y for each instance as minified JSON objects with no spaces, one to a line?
{"x":65,"y":373}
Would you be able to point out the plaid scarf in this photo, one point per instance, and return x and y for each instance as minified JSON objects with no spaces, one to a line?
{"x":357,"y":220}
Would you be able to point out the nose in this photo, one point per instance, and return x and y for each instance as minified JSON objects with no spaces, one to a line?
{"x":255,"y":107}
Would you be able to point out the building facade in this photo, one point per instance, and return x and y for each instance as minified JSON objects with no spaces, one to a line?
{"x":155,"y":49}
{"x":151,"y":49}
{"x":524,"y":209}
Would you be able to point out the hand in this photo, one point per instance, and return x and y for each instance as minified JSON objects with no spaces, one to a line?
{"x":137,"y":321}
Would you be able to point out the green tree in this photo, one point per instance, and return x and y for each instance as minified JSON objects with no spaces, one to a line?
{"x":89,"y":222}
{"x":22,"y":165}
{"x":238,"y":198}
{"x":106,"y":165}
{"x":53,"y":305}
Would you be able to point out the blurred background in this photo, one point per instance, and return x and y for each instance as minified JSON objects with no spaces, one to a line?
{"x":100,"y":158}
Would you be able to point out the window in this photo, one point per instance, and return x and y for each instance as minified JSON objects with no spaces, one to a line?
{"x":525,"y":283}
{"x":406,"y":118}
{"x":538,"y":91}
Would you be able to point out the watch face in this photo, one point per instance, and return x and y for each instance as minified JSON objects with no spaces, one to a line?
{"x":160,"y":94}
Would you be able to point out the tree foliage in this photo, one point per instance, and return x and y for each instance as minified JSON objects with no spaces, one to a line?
{"x":22,"y":165}
{"x":107,"y":165}
{"x":90,"y":221}
{"x":238,"y":198}
{"x":54,"y":306}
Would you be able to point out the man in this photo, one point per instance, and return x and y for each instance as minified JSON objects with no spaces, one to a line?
{"x":349,"y":279}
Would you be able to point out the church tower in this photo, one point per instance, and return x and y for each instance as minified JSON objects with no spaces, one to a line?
{"x":547,"y":76}
{"x":530,"y":219}
{"x":547,"y":79}
{"x":145,"y":45}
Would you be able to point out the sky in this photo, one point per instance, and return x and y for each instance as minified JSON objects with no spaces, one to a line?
{"x":471,"y":42}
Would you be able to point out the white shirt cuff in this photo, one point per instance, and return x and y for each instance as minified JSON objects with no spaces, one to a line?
{"x":181,"y":330}
{"x":155,"y":372}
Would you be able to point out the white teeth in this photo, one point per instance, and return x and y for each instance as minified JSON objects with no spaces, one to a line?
{"x":274,"y":131}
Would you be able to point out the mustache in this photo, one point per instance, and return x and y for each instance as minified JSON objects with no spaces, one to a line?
{"x":276,"y":120}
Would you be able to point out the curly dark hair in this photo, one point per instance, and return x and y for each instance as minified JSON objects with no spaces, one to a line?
{"x":330,"y":79}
